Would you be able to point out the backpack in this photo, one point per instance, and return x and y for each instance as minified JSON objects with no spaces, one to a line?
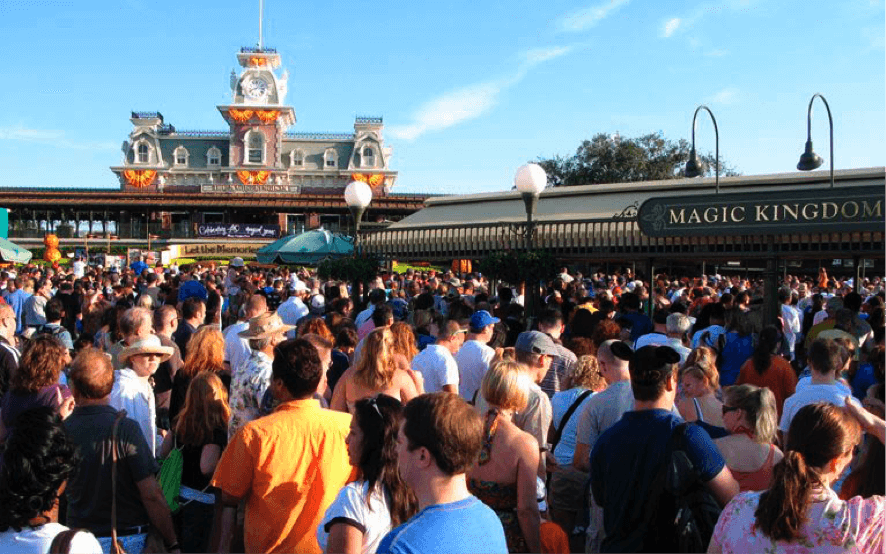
{"x":53,"y":331}
{"x":687,"y":512}
{"x":170,"y":478}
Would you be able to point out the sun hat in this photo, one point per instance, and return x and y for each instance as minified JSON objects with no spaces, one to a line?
{"x":266,"y":325}
{"x":147,"y":345}
{"x":236,"y":262}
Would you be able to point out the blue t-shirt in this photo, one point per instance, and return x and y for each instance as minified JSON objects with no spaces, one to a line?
{"x":736,"y":352}
{"x":863,"y":379}
{"x":467,"y":526}
{"x":625,"y":462}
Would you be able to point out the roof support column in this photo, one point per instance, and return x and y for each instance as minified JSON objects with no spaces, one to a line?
{"x":770,"y":284}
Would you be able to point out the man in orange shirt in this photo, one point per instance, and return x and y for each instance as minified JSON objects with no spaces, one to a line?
{"x":288,"y":466}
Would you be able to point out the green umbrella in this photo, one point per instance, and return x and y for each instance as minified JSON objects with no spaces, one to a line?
{"x":308,"y":248}
{"x":13,"y":253}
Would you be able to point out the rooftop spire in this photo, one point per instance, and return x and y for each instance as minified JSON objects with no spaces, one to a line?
{"x":260,"y":16}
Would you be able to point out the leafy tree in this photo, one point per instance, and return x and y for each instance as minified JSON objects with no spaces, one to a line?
{"x":616,"y":159}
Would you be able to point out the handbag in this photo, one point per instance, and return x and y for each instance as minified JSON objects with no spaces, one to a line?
{"x":170,"y":477}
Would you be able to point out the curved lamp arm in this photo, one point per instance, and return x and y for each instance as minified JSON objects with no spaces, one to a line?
{"x":716,"y":139}
{"x":830,"y":123}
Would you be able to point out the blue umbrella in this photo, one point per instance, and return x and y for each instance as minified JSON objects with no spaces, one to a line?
{"x":14,"y":253}
{"x":308,"y":248}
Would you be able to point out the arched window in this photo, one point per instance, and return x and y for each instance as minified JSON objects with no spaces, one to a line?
{"x":298,"y":158}
{"x":180,"y":156}
{"x":330,"y":160}
{"x":255,"y":147}
{"x":213,"y":157}
{"x":368,"y":157}
{"x":144,"y":153}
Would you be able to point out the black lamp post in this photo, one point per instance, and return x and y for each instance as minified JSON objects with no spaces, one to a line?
{"x":530,"y":180}
{"x":809,"y":160}
{"x":358,"y":195}
{"x":695,"y":167}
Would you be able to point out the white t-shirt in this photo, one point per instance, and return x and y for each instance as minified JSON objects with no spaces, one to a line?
{"x":560,"y":403}
{"x":810,"y":394}
{"x":473,"y":360}
{"x":350,"y":507}
{"x":39,"y":539}
{"x":291,"y":311}
{"x":237,"y":349}
{"x":437,"y":366}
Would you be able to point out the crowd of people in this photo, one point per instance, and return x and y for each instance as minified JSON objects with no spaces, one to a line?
{"x":238,"y":409}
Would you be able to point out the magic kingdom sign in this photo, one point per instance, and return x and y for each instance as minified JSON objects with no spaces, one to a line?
{"x":822,"y":210}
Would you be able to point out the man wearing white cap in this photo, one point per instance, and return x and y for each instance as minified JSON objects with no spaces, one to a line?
{"x":132,"y":387}
{"x":248,"y":386}
{"x":294,"y":308}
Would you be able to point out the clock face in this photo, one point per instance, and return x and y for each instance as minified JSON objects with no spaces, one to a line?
{"x":256,"y":87}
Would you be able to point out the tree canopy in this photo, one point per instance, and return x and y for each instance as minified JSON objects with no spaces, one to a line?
{"x":616,"y":159}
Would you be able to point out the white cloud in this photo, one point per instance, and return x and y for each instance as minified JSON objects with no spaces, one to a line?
{"x":719,"y":53}
{"x":724,"y":97}
{"x":670,"y":27}
{"x":51,"y":137}
{"x":586,"y":18}
{"x":472,"y":101}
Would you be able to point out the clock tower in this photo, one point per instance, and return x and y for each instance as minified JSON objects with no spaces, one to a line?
{"x":257,"y":117}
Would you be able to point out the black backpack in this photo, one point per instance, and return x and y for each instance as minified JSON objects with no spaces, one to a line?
{"x":686,"y":511}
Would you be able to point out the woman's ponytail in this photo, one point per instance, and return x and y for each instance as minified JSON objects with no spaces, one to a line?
{"x":782,"y":509}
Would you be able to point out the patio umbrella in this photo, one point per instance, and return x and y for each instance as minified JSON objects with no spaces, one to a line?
{"x":13,"y":253}
{"x":309,"y":248}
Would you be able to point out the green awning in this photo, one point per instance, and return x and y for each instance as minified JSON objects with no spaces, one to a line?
{"x":308,"y":248}
{"x":13,"y":253}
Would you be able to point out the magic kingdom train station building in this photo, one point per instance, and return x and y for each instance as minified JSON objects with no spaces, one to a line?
{"x":246,"y":185}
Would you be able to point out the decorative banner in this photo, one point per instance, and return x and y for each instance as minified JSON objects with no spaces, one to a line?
{"x":239,"y":230}
{"x":820,"y":210}
{"x":240,"y":116}
{"x":267,"y":116}
{"x":139,"y":178}
{"x":373,"y":180}
{"x":257,"y":62}
{"x":214,"y":249}
{"x":253,"y":177}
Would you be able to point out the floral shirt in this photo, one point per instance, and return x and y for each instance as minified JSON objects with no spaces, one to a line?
{"x":247,"y":388}
{"x":833,"y":525}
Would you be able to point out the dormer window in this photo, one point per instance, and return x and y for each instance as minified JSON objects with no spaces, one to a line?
{"x":181,"y":156}
{"x":368,"y":157}
{"x":213,"y":157}
{"x":255,"y":147}
{"x":144,"y":153}
{"x":330,"y":160}
{"x":298,"y":158}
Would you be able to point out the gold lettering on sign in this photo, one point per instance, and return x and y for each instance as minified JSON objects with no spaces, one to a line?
{"x":824,"y":210}
{"x":680,"y":219}
{"x":807,"y":215}
{"x":736,"y":218}
{"x":792,"y":211}
{"x":693,"y":217}
{"x":761,"y":216}
{"x":846,"y":214}
{"x":875,"y":211}
{"x":710,"y":218}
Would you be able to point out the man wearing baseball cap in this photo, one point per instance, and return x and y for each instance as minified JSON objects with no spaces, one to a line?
{"x":474,"y":357}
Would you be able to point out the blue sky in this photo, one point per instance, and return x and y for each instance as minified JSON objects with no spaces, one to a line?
{"x":469,"y":90}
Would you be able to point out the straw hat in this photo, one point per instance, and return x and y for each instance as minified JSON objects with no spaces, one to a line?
{"x":266,"y":325}
{"x":147,"y":345}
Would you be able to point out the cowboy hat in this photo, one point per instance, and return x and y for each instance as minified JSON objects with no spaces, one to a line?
{"x":147,"y":345}
{"x":266,"y":325}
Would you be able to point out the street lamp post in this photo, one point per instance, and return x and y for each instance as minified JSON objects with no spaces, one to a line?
{"x":358,"y":195}
{"x":809,"y":160}
{"x":530,"y":180}
{"x":695,"y":167}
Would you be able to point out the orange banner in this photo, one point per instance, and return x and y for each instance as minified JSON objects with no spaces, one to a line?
{"x":253,"y":177}
{"x":139,"y":178}
{"x":257,"y":62}
{"x":267,"y":116}
{"x":373,"y":180}
{"x":240,"y":116}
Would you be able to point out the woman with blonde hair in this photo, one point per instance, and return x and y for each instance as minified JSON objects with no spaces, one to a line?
{"x":700,"y":384}
{"x":504,"y":477}
{"x":404,"y":341}
{"x":200,"y":432}
{"x":206,"y":352}
{"x":376,"y":371}
{"x":749,"y":414}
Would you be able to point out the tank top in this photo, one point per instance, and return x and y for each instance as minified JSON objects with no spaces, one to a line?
{"x":759,"y":479}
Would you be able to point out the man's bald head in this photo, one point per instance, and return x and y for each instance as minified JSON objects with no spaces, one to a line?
{"x":256,"y":306}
